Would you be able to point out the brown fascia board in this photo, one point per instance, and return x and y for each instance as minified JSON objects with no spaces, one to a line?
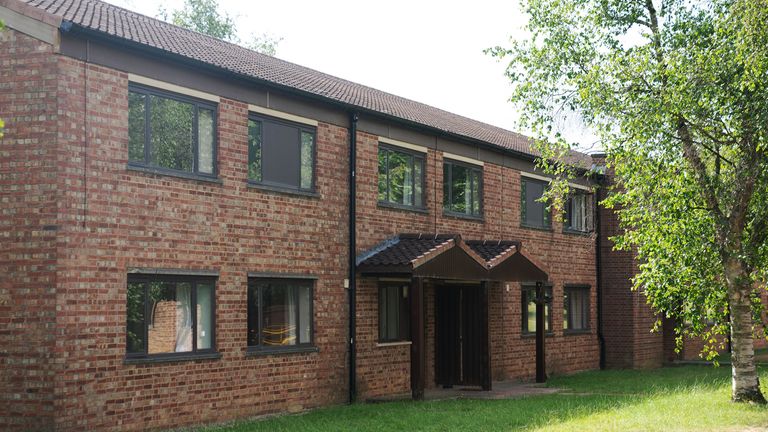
{"x":433,"y":253}
{"x":474,"y":255}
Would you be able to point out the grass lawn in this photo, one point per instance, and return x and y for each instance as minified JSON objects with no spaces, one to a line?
{"x":689,"y":398}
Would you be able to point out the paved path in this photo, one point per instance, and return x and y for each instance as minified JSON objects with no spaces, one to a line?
{"x":501,"y":390}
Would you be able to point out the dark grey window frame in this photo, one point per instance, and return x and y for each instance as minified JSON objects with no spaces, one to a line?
{"x":447,"y":183}
{"x":145,"y":279}
{"x":529,"y":287}
{"x":198,"y":103}
{"x":546,"y":222}
{"x":416,"y":156}
{"x":279,"y":187}
{"x":404,"y":308}
{"x":566,"y":307}
{"x":301,"y":347}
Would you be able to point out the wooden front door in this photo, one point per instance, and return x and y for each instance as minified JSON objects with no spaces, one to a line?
{"x":461,"y":314}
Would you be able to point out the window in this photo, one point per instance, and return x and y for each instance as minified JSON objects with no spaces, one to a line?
{"x":171,"y":131}
{"x":401,"y":177}
{"x":576,"y":308}
{"x":279,"y":313}
{"x":168,"y":315}
{"x":394,"y":313}
{"x":534,"y":213}
{"x":577,"y":213}
{"x":281,"y":154}
{"x":462,"y":189}
{"x":529,"y":309}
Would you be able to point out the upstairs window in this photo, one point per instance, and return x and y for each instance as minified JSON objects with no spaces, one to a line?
{"x":576,"y":308}
{"x":171,"y":132}
{"x":281,"y":154}
{"x":401,"y":177}
{"x":168,"y":315}
{"x":279,"y":313}
{"x":462,"y":189}
{"x":578,"y":213}
{"x":394,"y":312}
{"x":534,"y":213}
{"x":529,"y":309}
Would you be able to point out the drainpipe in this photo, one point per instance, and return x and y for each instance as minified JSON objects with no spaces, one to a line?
{"x":599,"y":271}
{"x":352,"y":255}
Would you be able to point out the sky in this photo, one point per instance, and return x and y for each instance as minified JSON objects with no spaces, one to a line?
{"x":425,"y":50}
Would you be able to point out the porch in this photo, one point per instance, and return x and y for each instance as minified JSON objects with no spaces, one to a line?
{"x":449,"y":282}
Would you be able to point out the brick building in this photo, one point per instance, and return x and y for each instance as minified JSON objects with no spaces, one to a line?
{"x":176,"y":216}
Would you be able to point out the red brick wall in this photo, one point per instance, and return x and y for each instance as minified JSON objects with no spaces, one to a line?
{"x":134,"y":219}
{"x":568,"y":259}
{"x":28,"y":243}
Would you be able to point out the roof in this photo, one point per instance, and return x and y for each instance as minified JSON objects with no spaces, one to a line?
{"x":117,"y":22}
{"x":449,"y":256}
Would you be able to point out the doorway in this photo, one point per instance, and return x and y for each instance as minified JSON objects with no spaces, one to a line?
{"x":461,"y":326}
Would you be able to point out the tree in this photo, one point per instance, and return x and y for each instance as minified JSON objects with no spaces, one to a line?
{"x":203,"y":16}
{"x":676,"y":92}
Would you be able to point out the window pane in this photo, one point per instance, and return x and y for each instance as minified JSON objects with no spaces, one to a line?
{"x":476,"y":178}
{"x":253,"y":314}
{"x":136,"y":126}
{"x":279,"y":315}
{"x":383,"y":153}
{"x":254,"y":150}
{"x":399,"y":184}
{"x":418,"y":182}
{"x":447,"y":186}
{"x":307,"y":153}
{"x":566,"y":308}
{"x":534,"y":210}
{"x":204,"y":316}
{"x":205,"y":141}
{"x":170,"y":327}
{"x":393,"y":312}
{"x":172,"y":125}
{"x":135,"y":342}
{"x":305,"y":314}
{"x":531,"y":309}
{"x":460,"y":189}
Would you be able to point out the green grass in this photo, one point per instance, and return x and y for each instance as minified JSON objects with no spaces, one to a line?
{"x":690,"y":398}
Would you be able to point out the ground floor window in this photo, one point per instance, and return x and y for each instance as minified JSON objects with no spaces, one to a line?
{"x":394,"y":312}
{"x":529,"y":309}
{"x":169,"y":314}
{"x":279,"y":313}
{"x":576,"y":308}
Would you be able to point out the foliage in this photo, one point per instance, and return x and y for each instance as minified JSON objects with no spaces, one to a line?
{"x":203,"y":16}
{"x":627,"y":400}
{"x":676,"y":91}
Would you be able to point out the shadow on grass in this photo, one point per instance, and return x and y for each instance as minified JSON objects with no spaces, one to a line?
{"x":591,"y":401}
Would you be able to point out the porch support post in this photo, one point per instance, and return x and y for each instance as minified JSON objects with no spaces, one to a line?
{"x":541,"y":301}
{"x":485,"y":337}
{"x":418,"y":330}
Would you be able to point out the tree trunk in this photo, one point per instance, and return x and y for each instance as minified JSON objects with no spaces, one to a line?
{"x":745,"y":381}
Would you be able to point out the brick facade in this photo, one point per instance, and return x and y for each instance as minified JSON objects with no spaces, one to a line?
{"x":76,"y":220}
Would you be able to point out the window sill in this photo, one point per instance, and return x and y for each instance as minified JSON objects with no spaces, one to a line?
{"x":256,"y":351}
{"x":172,"y":173}
{"x":160,"y":358}
{"x":525,"y":335}
{"x":577,"y":232}
{"x":577,"y":332}
{"x":391,"y":206}
{"x":283,"y":190}
{"x":392,"y":344}
{"x":479,"y":219}
{"x":537,"y":228}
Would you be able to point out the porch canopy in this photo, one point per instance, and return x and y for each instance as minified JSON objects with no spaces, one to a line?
{"x":448,"y":256}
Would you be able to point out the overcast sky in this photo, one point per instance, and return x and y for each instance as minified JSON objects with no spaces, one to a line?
{"x":429,"y":51}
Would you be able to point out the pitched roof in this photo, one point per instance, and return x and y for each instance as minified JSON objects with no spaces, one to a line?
{"x":117,"y":22}
{"x":405,"y":249}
